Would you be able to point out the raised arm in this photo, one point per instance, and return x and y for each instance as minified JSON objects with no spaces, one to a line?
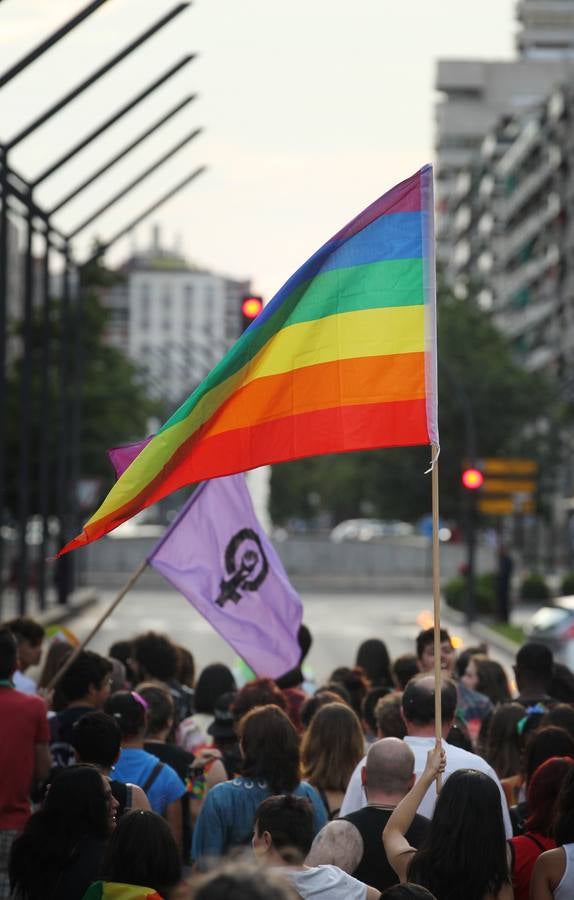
{"x":397,"y":848}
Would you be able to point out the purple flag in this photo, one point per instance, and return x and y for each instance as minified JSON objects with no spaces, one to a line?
{"x":219,"y":557}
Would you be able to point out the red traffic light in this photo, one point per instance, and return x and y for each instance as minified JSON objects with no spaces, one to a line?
{"x":472,"y":479}
{"x":251,"y":307}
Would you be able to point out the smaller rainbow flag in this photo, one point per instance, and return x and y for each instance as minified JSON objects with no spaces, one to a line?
{"x":111,"y":890}
{"x":342,"y":358}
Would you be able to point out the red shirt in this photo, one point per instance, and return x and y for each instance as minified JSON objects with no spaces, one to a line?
{"x":526,"y":849}
{"x":23,"y":724}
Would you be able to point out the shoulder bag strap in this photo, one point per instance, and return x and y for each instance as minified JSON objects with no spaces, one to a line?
{"x":152,"y":776}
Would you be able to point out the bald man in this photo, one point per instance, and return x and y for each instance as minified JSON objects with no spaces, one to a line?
{"x":418,"y":716}
{"x":355,"y":842}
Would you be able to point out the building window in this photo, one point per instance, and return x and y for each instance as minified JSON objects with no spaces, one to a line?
{"x":144,"y":306}
{"x":166,"y":308}
{"x":187,"y":306}
{"x":209,"y":311}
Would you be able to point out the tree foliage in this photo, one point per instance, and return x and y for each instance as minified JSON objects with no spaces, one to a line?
{"x":114,"y":405}
{"x":476,"y":371}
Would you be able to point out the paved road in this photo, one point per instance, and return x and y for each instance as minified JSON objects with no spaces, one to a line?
{"x":338,"y":622}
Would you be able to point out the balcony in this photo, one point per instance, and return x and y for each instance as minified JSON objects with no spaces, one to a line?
{"x":514,"y":322}
{"x":539,"y":358}
{"x":530,"y":228}
{"x":527,"y":273}
{"x":519,"y":149}
{"x":530,"y":185}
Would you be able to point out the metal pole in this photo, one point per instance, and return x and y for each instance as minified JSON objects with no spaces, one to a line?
{"x":24,"y":418}
{"x":469,"y":502}
{"x":64,"y":571}
{"x":151,"y":209}
{"x":134,"y":183}
{"x":118,"y":156}
{"x":3,"y":339}
{"x":77,"y":398}
{"x":112,"y":119}
{"x":46,"y":445}
{"x":95,"y":76}
{"x":470,"y":510}
{"x":41,"y":48}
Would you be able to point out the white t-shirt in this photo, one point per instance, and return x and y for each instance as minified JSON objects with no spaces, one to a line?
{"x":456,"y":758}
{"x":325,"y":882}
{"x":566,"y":885}
{"x":23,"y":683}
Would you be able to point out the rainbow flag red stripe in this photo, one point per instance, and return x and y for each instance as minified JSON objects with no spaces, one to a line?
{"x":343,"y":358}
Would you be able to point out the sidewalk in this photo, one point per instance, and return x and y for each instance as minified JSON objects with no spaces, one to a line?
{"x":54,"y":613}
{"x":520,"y":616}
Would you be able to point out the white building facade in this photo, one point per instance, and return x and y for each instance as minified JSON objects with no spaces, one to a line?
{"x":475,"y":94}
{"x":173,"y":319}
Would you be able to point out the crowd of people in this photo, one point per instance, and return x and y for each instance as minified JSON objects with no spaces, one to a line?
{"x":132,"y":778}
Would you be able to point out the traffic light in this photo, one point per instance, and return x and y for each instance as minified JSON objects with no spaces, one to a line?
{"x":472,"y":479}
{"x":251,"y":306}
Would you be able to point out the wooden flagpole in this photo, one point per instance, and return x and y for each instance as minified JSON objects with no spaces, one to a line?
{"x":73,"y":656}
{"x":436,"y":603}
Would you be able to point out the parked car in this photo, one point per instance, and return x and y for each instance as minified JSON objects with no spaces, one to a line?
{"x":369,"y":530}
{"x":554,"y":627}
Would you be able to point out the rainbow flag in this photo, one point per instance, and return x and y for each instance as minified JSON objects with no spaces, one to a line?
{"x":111,"y":890}
{"x":342,"y":358}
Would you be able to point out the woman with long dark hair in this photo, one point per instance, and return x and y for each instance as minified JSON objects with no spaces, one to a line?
{"x":543,"y":789}
{"x":61,"y":848}
{"x":141,"y":853}
{"x":502,"y":749}
{"x":332,"y":747}
{"x":553,"y":874}
{"x":269,"y":747}
{"x":373,"y":659}
{"x":464,"y":856}
{"x":214,"y":680}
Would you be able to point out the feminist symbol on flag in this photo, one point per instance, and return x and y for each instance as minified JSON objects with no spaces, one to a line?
{"x":247,"y":565}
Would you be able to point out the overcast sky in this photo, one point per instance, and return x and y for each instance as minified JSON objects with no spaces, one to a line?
{"x":311,"y":109}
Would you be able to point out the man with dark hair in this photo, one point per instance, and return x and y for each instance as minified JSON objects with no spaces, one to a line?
{"x":419,"y":718}
{"x":24,"y":755}
{"x":282,"y":838}
{"x":29,"y":636}
{"x":85,"y":686}
{"x":473,"y":706}
{"x":425,"y":651}
{"x":354,"y":843}
{"x":534,"y":668}
{"x":96,"y":738}
{"x":155,"y":659}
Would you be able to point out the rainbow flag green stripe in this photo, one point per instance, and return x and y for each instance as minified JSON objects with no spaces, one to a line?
{"x":111,"y":890}
{"x":342,"y":358}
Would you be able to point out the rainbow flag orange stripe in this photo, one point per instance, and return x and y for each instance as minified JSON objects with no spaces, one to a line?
{"x":343,"y":358}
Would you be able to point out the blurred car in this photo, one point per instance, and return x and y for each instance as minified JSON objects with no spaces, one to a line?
{"x":554,"y":627}
{"x":369,"y":530}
